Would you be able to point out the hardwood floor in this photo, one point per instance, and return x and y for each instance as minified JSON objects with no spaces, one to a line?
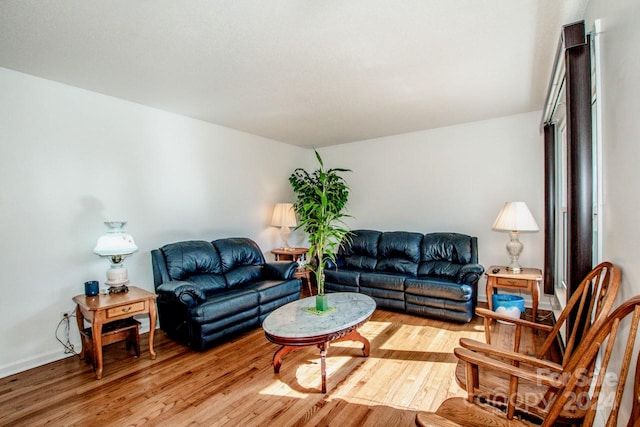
{"x":410,"y":369}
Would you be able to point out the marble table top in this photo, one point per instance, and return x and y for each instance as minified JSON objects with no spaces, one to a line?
{"x":294,"y":321}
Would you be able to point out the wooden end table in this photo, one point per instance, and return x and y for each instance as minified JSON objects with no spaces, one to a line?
{"x":528,"y":280}
{"x":295,"y":254}
{"x":102,"y":309}
{"x":293,"y":327}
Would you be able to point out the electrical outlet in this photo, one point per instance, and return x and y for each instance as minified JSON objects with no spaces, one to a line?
{"x":64,"y":314}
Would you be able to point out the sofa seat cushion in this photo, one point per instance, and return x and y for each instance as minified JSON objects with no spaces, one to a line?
{"x":360,"y":262}
{"x":226,"y":304}
{"x":270,"y":290}
{"x":392,"y":282}
{"x":398,"y":265}
{"x":208,"y":283}
{"x":439,"y":268}
{"x":437,"y":288}
{"x":243,"y":274}
{"x":343,"y":276}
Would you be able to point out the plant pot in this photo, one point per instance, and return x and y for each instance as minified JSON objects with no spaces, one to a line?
{"x":321,"y":303}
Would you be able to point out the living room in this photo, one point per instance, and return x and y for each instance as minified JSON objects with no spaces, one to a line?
{"x":73,"y":158}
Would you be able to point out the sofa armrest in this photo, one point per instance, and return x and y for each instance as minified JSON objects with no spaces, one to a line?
{"x":280,"y":270}
{"x":469,"y":273}
{"x":185,"y":292}
{"x":160,"y":273}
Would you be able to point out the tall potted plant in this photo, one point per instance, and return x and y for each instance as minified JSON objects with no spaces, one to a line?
{"x":321,"y":199}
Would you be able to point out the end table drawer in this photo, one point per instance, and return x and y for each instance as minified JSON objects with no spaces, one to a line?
{"x":128,"y":309}
{"x":512,"y":283}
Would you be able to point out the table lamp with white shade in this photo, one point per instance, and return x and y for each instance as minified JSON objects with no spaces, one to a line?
{"x":284,"y":217}
{"x":514,"y":218}
{"x":116,"y":245}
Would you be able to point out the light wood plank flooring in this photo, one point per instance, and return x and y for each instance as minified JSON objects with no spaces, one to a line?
{"x":410,"y":369}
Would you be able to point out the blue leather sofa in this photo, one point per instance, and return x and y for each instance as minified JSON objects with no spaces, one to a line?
{"x":208,"y":291}
{"x":430,"y":275}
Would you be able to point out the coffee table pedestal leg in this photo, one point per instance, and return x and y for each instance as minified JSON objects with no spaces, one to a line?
{"x":279,"y":354}
{"x":323,"y":365}
{"x":355,"y":336}
{"x":351,"y":336}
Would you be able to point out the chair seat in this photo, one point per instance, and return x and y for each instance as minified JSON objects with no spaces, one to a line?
{"x":457,"y":411}
{"x":495,"y":388}
{"x":121,"y":330}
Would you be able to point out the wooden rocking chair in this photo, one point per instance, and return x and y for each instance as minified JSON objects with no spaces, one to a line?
{"x":592,"y":301}
{"x":574,"y":396}
{"x":594,"y":297}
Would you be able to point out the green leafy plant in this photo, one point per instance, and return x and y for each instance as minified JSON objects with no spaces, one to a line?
{"x":321,"y":199}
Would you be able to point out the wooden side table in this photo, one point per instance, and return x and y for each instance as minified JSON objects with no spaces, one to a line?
{"x":528,"y":280}
{"x":102,"y":309}
{"x":295,"y":254}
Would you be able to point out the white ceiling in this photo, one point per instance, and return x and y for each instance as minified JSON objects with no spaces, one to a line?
{"x":305,"y":72}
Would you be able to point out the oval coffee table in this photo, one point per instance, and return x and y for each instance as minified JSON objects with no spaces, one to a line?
{"x":292,"y":326}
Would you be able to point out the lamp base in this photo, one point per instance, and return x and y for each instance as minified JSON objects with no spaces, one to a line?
{"x":285,"y":232}
{"x":514,"y":248}
{"x":117,"y":276}
{"x":515,"y":269}
{"x":118,"y":289}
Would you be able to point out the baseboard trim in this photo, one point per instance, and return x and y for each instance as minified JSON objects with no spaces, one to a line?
{"x":53,"y":356}
{"x":32,"y":362}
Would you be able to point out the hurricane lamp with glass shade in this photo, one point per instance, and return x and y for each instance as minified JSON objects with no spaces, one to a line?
{"x":514,"y":218}
{"x":285,"y":218}
{"x":116,"y":245}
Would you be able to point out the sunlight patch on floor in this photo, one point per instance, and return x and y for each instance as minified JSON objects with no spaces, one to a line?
{"x":422,"y":355}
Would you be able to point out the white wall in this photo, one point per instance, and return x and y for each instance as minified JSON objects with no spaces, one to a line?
{"x":450,"y":179}
{"x":71,"y":159}
{"x":620,"y":71}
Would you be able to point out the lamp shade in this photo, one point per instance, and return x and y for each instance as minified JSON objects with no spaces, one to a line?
{"x":283,"y":215}
{"x":515,"y":216}
{"x":115,"y":241}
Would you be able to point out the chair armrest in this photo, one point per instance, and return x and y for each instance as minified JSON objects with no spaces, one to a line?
{"x":483,"y":312}
{"x":280,"y":270}
{"x":489,"y":350}
{"x":539,"y":376}
{"x":430,"y":419}
{"x":469,"y":273}
{"x":330,"y":264}
{"x":185,"y":292}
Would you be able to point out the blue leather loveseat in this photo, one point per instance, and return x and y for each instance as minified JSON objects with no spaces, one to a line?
{"x":430,"y":275}
{"x":208,"y":291}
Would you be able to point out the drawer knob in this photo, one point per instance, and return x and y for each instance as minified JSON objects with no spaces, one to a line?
{"x":126,"y":309}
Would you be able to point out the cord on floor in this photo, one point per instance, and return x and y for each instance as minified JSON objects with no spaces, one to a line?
{"x":66,"y":343}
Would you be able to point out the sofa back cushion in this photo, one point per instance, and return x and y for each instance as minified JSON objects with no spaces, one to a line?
{"x":443,"y":254}
{"x":399,"y":252}
{"x":362,"y":250}
{"x":195,"y":261}
{"x":242,"y":260}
